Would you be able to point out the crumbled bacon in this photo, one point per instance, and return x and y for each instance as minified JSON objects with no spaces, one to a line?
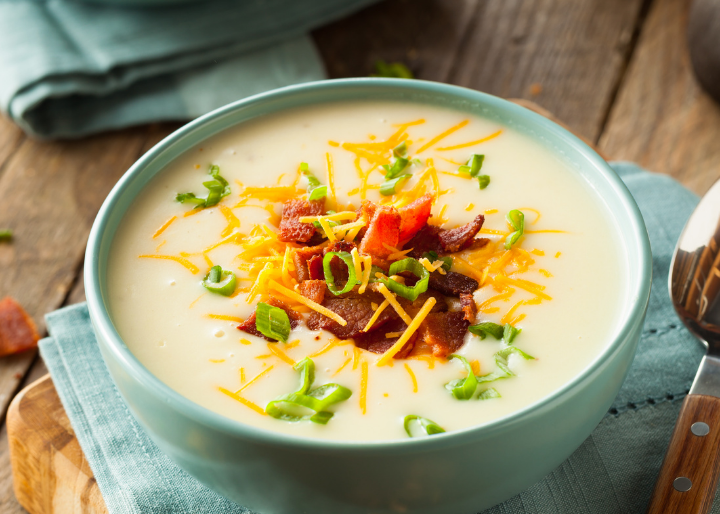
{"x":291,"y":230}
{"x":444,"y":332}
{"x":468,"y":307}
{"x":313,"y":290}
{"x":426,"y":240}
{"x":376,"y":342}
{"x":457,"y":239}
{"x":452,"y":283}
{"x":17,"y":330}
{"x":249,"y":324}
{"x":412,"y":308}
{"x":315,"y":268}
{"x":339,"y":246}
{"x":354,"y":308}
{"x":301,"y":259}
{"x":384,"y":229}
{"x":414,"y":216}
{"x":365,"y":213}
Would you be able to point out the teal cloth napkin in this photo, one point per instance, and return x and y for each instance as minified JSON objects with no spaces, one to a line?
{"x":70,"y":68}
{"x":612,"y":472}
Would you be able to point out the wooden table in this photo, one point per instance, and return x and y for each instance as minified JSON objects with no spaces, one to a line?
{"x":615,"y":71}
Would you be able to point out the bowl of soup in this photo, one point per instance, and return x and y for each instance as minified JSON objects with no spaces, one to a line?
{"x":369,"y":295}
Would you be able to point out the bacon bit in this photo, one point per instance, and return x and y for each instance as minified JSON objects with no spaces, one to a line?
{"x":457,"y":239}
{"x":291,"y":228}
{"x":414,"y":216}
{"x":17,"y":329}
{"x":165,"y":226}
{"x":412,"y":377}
{"x":384,"y":229}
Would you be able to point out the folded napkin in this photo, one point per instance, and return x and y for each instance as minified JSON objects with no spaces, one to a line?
{"x":71,"y":68}
{"x":612,"y":472}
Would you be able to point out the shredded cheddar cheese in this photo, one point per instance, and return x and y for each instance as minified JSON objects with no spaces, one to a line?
{"x":367,"y":263}
{"x":242,"y":400}
{"x":180,"y":260}
{"x":331,"y":178}
{"x":390,"y":335}
{"x":338,"y":216}
{"x":343,"y":366}
{"x":363,"y":386}
{"x":442,"y":136}
{"x":225,"y":317}
{"x":471,"y":143}
{"x":307,"y":302}
{"x":376,"y":315}
{"x":273,"y":347}
{"x":165,"y":226}
{"x":412,"y":327}
{"x":412,"y":377}
{"x":390,"y":298}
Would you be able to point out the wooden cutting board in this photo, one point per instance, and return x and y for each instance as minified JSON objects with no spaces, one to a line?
{"x":50,"y":473}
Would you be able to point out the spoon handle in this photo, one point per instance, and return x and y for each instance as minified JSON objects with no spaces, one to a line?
{"x":689,"y":474}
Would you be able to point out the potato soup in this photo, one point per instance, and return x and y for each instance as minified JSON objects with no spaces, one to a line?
{"x":366,"y":271}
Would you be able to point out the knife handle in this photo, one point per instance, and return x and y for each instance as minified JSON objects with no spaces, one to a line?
{"x":689,"y":474}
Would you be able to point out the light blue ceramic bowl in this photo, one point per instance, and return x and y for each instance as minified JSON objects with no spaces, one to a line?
{"x":458,"y":472}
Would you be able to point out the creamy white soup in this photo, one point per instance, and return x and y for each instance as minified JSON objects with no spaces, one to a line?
{"x":544,"y":272}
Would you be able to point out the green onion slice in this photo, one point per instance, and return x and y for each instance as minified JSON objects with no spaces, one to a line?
{"x":272,"y":322}
{"x":488,"y":394}
{"x":414,"y":267}
{"x":426,"y":425}
{"x":473,"y":166}
{"x":483,"y":329}
{"x":396,"y":169}
{"x":298,"y":406}
{"x":483,"y":181}
{"x":218,"y":188}
{"x":6,"y":234}
{"x":510,"y":333}
{"x":220,"y":281}
{"x":315,"y":189}
{"x":432,"y":256}
{"x":330,"y":280}
{"x":501,"y":358}
{"x":463,"y":388}
{"x":516,"y":219}
{"x":389,"y":187}
{"x":373,"y":271}
{"x":400,"y":150}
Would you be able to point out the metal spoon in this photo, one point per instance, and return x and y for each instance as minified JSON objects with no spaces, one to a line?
{"x":689,"y":474}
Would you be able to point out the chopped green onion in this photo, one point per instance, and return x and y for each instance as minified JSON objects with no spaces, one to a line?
{"x":396,"y":169}
{"x":483,"y":181}
{"x":483,"y":329}
{"x":298,"y":405}
{"x":510,"y":333}
{"x":373,"y":271}
{"x":488,"y":394}
{"x":6,"y":234}
{"x":272,"y":322}
{"x":426,"y":425}
{"x":352,"y":279}
{"x":388,"y":188}
{"x":315,"y":189}
{"x":391,"y":70}
{"x":400,"y":150}
{"x":220,"y":281}
{"x":495,"y":375}
{"x":218,"y":188}
{"x":463,"y":388}
{"x":432,"y":256}
{"x":473,"y":166}
{"x":414,"y":267}
{"x":516,"y":219}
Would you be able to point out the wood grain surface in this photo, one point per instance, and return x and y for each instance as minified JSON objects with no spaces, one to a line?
{"x":690,"y":456}
{"x":615,"y":70}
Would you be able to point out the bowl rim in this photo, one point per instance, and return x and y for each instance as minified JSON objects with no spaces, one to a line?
{"x":639,"y":289}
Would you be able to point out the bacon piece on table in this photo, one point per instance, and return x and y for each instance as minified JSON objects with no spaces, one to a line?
{"x":444,"y":332}
{"x":354,"y":308}
{"x":249,"y":324}
{"x":457,"y":239}
{"x":17,"y":330}
{"x":384,"y":229}
{"x":291,"y":230}
{"x":414,"y":216}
